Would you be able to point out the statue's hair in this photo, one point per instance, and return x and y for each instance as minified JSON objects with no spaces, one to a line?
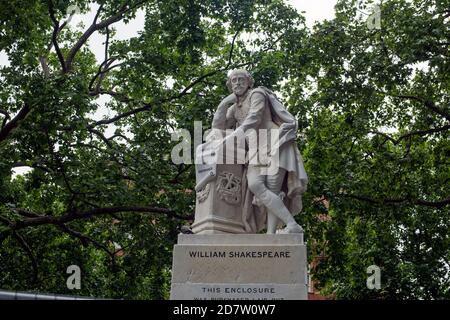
{"x":251,"y":81}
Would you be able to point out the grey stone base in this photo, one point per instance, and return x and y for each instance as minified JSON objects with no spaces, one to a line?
{"x":239,"y":267}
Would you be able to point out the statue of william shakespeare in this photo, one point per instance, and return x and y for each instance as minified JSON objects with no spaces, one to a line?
{"x":250,"y":177}
{"x":273,"y":178}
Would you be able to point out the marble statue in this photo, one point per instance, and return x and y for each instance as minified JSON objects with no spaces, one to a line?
{"x":263,"y":191}
{"x":250,"y":178}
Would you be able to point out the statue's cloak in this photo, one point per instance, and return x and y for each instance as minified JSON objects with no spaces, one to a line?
{"x":254,"y":214}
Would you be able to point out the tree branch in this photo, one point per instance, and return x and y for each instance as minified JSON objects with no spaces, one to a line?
{"x":148,"y":106}
{"x":424,"y":132}
{"x":426,"y":102}
{"x":72,"y":215}
{"x":232,"y":45}
{"x":8,"y":127}
{"x":105,"y":63}
{"x":102,"y":137}
{"x":97,"y":14}
{"x":44,"y":65}
{"x":95,"y":27}
{"x":181,"y":169}
{"x":6,"y":118}
{"x":6,"y":221}
{"x":56,"y":30}
{"x":435,"y":204}
{"x":36,"y":165}
{"x":106,"y":43}
{"x":119,"y":136}
{"x":101,"y":75}
{"x":85,"y":239}
{"x":410,"y":134}
{"x":28,"y":251}
{"x":27,"y":213}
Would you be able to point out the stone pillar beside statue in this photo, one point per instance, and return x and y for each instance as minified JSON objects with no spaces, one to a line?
{"x":218,"y":203}
{"x":219,"y":191}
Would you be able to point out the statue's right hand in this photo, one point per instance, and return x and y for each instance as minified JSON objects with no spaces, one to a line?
{"x":229,"y":100}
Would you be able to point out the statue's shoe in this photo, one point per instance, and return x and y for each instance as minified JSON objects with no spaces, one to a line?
{"x":291,"y":228}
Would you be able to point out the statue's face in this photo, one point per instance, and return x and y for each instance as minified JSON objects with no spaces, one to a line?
{"x":239,"y":84}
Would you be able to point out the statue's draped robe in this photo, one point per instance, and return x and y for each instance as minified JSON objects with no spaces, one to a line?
{"x":264,"y":108}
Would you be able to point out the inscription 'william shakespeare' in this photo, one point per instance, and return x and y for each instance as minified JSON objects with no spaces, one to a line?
{"x":240,"y":254}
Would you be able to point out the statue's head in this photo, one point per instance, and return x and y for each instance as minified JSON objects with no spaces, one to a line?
{"x":239,"y":81}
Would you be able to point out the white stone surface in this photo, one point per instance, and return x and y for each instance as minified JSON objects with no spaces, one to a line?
{"x":214,"y":212}
{"x":242,"y":239}
{"x":264,"y":194}
{"x":250,"y":291}
{"x":225,"y":266}
{"x":239,"y":264}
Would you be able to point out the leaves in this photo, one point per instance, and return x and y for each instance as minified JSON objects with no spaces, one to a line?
{"x":372,"y":105}
{"x":375,"y":124}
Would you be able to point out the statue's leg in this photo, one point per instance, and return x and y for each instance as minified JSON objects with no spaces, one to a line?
{"x":273,"y":203}
{"x":274,"y":184}
{"x":272,"y":223}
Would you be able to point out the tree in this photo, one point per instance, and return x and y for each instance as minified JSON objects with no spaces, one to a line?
{"x":113,"y":204}
{"x":375,"y":107}
{"x":372,"y":103}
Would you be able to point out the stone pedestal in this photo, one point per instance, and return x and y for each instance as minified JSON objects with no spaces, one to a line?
{"x":239,"y":267}
{"x":218,"y":207}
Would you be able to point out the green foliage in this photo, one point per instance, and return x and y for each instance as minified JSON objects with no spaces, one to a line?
{"x":375,"y":139}
{"x":377,"y":149}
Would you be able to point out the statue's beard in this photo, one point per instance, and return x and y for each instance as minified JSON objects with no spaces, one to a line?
{"x":239,"y":91}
